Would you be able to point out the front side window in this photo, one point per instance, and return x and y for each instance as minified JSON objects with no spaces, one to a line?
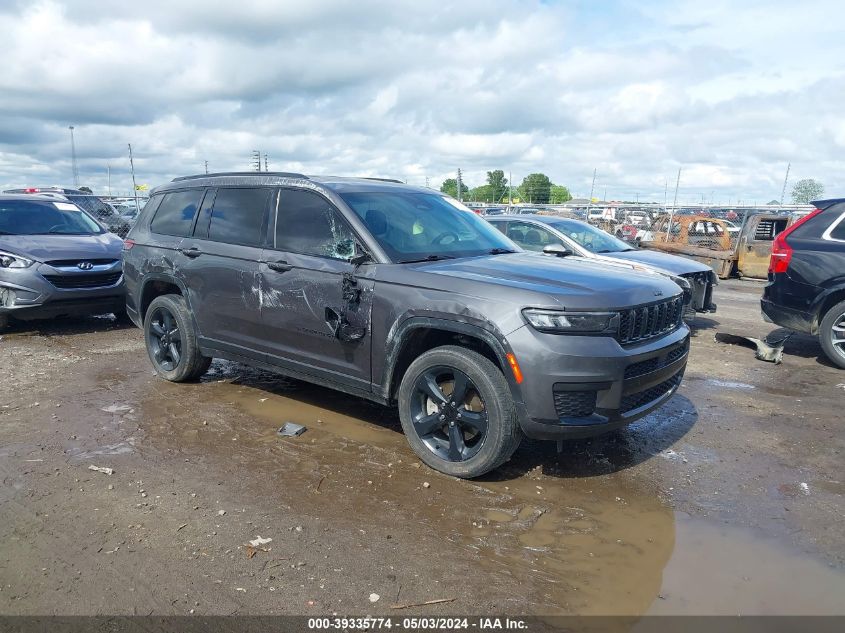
{"x":308,"y":224}
{"x":593,"y":239}
{"x":238,"y":216}
{"x":24,"y":217}
{"x":413,"y":226}
{"x":531,"y":237}
{"x":175,"y":214}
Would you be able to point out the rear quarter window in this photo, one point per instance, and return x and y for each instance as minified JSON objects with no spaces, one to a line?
{"x":175,"y":214}
{"x":238,"y":216}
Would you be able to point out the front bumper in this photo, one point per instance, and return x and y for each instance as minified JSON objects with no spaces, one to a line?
{"x":579,"y":386}
{"x":44,"y":291}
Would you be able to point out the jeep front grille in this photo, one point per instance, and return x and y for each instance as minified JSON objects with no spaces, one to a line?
{"x":650,"y":321}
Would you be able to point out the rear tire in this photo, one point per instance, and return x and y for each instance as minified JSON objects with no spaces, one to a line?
{"x":465,"y":436}
{"x":171,"y":340}
{"x":832,"y":334}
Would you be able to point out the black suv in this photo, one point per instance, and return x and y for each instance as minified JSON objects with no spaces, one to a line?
{"x":404,"y":296}
{"x":806,"y":289}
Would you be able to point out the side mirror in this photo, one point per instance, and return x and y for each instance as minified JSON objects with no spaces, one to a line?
{"x":557,"y":250}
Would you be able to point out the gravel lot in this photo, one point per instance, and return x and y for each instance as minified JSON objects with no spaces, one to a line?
{"x":728,"y":500}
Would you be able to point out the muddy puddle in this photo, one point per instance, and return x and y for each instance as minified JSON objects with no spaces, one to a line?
{"x":602,"y":544}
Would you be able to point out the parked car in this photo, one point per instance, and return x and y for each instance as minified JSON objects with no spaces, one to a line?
{"x":403,"y":296}
{"x":101,"y":211}
{"x":580,"y":238}
{"x":806,"y":289}
{"x":55,"y":260}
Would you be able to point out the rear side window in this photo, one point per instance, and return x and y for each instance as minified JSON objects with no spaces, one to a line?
{"x":238,"y":216}
{"x":308,"y":224}
{"x":175,"y":215}
{"x":838,"y":232}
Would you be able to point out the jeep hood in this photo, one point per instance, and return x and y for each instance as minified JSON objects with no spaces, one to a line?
{"x":43,"y":248}
{"x":571,"y":282}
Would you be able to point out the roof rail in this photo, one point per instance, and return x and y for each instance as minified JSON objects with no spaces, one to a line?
{"x":286,"y":174}
{"x":401,"y":182}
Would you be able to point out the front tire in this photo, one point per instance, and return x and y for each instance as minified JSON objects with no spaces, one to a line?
{"x":457,"y":412}
{"x":832,"y":334}
{"x":171,"y":340}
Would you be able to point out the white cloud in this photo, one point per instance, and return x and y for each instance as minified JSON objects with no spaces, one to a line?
{"x":729,"y":91}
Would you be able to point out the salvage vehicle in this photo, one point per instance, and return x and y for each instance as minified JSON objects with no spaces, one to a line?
{"x":806,"y":289}
{"x":100,"y":210}
{"x":536,"y":233}
{"x":403,"y":296}
{"x":55,"y":260}
{"x":715,"y":242}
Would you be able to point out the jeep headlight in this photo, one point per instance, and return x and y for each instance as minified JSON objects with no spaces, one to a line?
{"x":10,"y":260}
{"x":560,"y":322}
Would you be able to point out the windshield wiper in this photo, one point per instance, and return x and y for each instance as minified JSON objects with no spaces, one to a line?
{"x":500,"y":251}
{"x":427,"y":258}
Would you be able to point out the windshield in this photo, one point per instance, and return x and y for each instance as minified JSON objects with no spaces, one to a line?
{"x":593,"y":239}
{"x":25,"y":217}
{"x":412,"y":226}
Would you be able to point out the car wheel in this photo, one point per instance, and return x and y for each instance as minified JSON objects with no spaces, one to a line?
{"x":457,"y":412}
{"x":832,"y":334}
{"x":171,"y":340}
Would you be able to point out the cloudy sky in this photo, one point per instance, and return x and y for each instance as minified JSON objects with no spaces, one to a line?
{"x":729,"y":91}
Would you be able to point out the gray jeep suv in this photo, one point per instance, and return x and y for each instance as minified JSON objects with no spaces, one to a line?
{"x":403,"y":296}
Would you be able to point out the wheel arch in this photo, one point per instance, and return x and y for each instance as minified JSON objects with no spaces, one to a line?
{"x":157,"y":285}
{"x":416,"y":335}
{"x":825,"y":301}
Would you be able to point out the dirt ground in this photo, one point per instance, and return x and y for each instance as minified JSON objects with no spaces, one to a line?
{"x":729,"y":500}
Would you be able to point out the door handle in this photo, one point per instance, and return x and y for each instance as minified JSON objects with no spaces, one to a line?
{"x":279,"y":266}
{"x":191,"y":252}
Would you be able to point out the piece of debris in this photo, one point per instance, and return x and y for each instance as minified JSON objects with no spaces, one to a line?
{"x":769,"y":351}
{"x":290,"y":429}
{"x":241,"y":589}
{"x":260,"y":541}
{"x":426,"y":484}
{"x":220,"y":513}
{"x":320,"y":483}
{"x":421,"y":604}
{"x":374,"y":597}
{"x":804,"y":488}
{"x":117,"y":408}
{"x":184,"y":525}
{"x":251,"y":551}
{"x":101,"y":469}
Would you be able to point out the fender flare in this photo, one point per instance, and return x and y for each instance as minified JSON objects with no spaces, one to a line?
{"x":484,"y":331}
{"x":821,"y":299}
{"x":153,"y":277}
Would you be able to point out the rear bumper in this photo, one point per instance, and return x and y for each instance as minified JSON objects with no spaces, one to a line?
{"x":591,"y":385}
{"x":788,"y":317}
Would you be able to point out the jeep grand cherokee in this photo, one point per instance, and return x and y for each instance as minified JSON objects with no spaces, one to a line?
{"x":404,"y":296}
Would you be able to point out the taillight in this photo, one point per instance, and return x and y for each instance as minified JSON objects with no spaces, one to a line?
{"x":128,"y":244}
{"x":32,"y":190}
{"x":781,"y":250}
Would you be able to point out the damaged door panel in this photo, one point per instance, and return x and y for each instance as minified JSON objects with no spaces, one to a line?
{"x":315,"y":303}
{"x":221,"y":266}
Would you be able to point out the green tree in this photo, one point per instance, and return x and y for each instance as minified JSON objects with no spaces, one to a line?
{"x":772,"y":202}
{"x":450,"y":187}
{"x":482,"y":193}
{"x":807,"y":190}
{"x":560,"y":194}
{"x":536,"y":188}
{"x":498,"y":185}
{"x":86,"y":189}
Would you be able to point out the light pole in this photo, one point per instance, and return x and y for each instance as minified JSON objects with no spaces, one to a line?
{"x":74,"y":170}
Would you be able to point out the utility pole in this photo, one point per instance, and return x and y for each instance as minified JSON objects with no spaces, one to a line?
{"x":108,"y":171}
{"x":256,"y":159}
{"x":134,"y":184}
{"x":426,"y":183}
{"x":265,"y":163}
{"x":73,"y":167}
{"x":510,"y":188}
{"x":785,"y":180}
{"x":674,"y":204}
{"x":592,"y":187}
{"x":459,"y":184}
{"x":206,"y":166}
